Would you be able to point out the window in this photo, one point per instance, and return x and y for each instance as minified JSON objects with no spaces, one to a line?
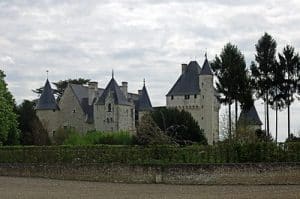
{"x":202,"y":118}
{"x":195,"y":96}
{"x":202,"y":96}
{"x":202,"y":106}
{"x":172,"y":97}
{"x":107,"y":120}
{"x":186,"y":97}
{"x":109,"y":108}
{"x":111,"y":119}
{"x":74,"y":111}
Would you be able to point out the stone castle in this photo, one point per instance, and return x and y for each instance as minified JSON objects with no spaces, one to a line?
{"x":113,"y":108}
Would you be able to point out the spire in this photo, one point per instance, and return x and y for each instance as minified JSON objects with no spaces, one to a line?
{"x":47,"y":99}
{"x":144,"y":82}
{"x":144,"y":103}
{"x":112,"y":73}
{"x":47,"y":71}
{"x":206,"y":67}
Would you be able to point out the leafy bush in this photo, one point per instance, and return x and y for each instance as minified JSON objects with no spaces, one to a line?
{"x":94,"y":137}
{"x":179,"y":125}
{"x":148,"y":133}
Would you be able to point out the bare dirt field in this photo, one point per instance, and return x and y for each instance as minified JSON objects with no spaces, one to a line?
{"x":15,"y":187}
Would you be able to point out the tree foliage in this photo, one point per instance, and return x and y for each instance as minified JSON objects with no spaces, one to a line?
{"x":148,"y":133}
{"x":179,"y":125}
{"x":32,"y":130}
{"x":263,"y":70}
{"x":9,"y":131}
{"x":232,"y":78}
{"x":61,"y":85}
{"x":289,"y":63}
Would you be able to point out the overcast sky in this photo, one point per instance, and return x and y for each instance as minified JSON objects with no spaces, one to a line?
{"x":138,"y":39}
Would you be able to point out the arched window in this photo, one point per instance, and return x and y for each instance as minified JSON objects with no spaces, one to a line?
{"x":109,"y":107}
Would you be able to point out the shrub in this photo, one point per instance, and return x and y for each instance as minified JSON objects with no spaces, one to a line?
{"x":179,"y":125}
{"x":153,"y":154}
{"x":94,"y":137}
{"x":148,"y":133}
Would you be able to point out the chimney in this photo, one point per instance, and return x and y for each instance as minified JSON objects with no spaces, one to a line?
{"x":183,"y":67}
{"x":124,"y":88}
{"x":92,"y":92}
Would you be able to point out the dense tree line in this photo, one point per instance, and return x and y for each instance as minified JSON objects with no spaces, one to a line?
{"x":274,"y":79}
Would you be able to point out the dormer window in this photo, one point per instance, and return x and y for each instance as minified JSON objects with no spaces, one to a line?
{"x":109,"y":108}
{"x":187,"y":97}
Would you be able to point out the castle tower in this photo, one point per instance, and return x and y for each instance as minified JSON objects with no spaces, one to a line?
{"x":47,"y":109}
{"x":209,"y":103}
{"x":194,"y":92}
{"x":113,"y":111}
{"x":144,"y":104}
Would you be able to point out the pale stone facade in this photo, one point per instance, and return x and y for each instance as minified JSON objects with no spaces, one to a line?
{"x":87,"y":108}
{"x":194,"y":92}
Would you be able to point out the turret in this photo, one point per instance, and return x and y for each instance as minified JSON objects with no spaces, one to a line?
{"x":47,"y":99}
{"x":47,"y":109}
{"x":210,"y":114}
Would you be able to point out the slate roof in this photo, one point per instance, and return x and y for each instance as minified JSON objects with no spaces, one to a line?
{"x":47,"y":100}
{"x":188,"y":82}
{"x":206,"y":70}
{"x":144,"y":103}
{"x":118,"y":95}
{"x":250,"y":117}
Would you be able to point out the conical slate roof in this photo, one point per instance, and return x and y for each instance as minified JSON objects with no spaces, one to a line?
{"x":188,"y":82}
{"x":250,"y":117}
{"x":206,"y":68}
{"x":118,"y":95}
{"x":144,"y":101}
{"x":47,"y":100}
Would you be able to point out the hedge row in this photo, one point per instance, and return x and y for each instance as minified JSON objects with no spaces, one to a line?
{"x":221,"y":153}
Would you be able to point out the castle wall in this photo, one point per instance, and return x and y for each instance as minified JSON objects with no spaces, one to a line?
{"x":126,"y":118}
{"x":115,"y":118}
{"x":204,"y":108}
{"x":49,"y":119}
{"x":71,"y":113}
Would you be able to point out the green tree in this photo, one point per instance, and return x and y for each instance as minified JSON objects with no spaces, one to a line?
{"x":32,"y":131}
{"x":148,"y":133}
{"x":179,"y":125}
{"x":263,"y":70}
{"x":62,"y":85}
{"x":9,"y":131}
{"x":289,"y":61}
{"x":232,"y":84}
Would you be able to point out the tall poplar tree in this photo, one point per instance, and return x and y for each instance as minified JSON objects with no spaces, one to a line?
{"x":230,"y":69}
{"x":289,"y":61}
{"x":262,"y":70}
